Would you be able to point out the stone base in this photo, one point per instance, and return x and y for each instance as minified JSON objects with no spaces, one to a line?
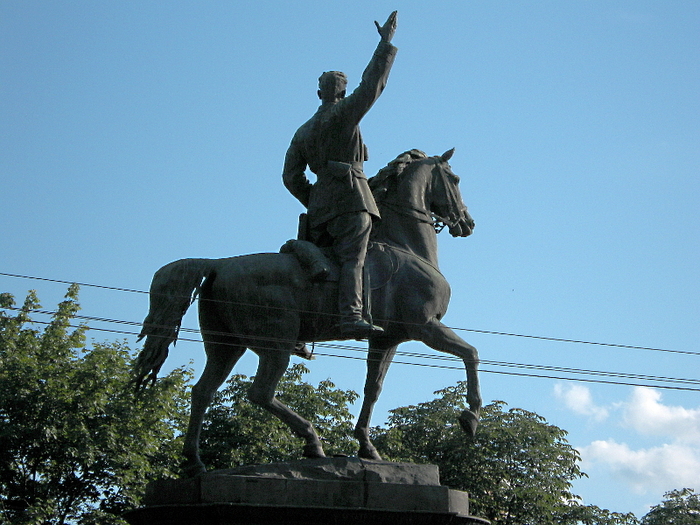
{"x":329,"y":491}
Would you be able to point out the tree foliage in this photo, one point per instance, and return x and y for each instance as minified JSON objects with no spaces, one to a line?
{"x":76,"y":444}
{"x":681,"y":507}
{"x":237,"y":432}
{"x":518,"y":469}
{"x":576,"y":514}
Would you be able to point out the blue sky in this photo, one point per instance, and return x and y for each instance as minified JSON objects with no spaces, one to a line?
{"x":137,"y":133}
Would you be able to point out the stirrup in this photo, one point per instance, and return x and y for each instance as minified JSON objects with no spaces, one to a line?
{"x":359,"y":329}
{"x":301,"y":350}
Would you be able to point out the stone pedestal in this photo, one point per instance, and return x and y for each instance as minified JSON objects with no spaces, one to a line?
{"x":329,"y":491}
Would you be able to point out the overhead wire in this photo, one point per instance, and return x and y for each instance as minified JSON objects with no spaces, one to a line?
{"x":401,"y":352}
{"x":472,"y":330}
{"x":657,"y":380}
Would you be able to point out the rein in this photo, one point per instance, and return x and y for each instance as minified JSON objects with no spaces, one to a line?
{"x":407,"y":252}
{"x":435,"y":220}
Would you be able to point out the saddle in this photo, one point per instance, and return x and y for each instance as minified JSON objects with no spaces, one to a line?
{"x":381,"y":263}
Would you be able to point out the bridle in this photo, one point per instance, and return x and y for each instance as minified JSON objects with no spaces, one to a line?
{"x":452,"y":197}
{"x":438,"y":222}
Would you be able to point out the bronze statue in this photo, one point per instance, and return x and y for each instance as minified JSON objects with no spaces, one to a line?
{"x":340,"y":205}
{"x":268,"y":302}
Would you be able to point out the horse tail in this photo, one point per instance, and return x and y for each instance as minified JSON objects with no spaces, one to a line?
{"x":173,"y":289}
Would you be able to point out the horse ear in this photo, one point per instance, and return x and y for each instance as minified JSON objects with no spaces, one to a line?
{"x":447,"y":155}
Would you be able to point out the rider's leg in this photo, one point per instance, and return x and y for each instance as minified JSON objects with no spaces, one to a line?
{"x":350,"y":233}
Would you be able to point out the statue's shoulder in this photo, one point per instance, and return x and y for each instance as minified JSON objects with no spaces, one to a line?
{"x":306,"y":129}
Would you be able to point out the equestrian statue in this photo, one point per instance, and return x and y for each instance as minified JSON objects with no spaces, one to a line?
{"x":365,"y":266}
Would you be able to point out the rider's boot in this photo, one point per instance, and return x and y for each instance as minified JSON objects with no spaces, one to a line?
{"x":352,"y":324}
{"x":359,"y":329}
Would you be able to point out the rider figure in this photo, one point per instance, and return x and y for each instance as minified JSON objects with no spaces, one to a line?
{"x":340,"y":204}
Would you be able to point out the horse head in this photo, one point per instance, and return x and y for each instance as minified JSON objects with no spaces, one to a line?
{"x":425,"y":188}
{"x":446,"y":203}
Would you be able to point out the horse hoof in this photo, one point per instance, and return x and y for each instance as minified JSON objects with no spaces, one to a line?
{"x":369,"y":452}
{"x":313,"y":450}
{"x":468,"y":421}
{"x":191,"y":471}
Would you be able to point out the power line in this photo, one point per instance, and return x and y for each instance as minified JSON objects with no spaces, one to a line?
{"x":72,"y":282}
{"x":437,"y":357}
{"x":355,"y":348}
{"x":543,"y":368}
{"x":472,"y":330}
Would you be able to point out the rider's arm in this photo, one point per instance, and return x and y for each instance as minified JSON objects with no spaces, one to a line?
{"x":293,"y":174}
{"x":375,"y":76}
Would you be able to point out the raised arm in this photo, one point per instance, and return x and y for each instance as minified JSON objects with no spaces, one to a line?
{"x":375,"y":76}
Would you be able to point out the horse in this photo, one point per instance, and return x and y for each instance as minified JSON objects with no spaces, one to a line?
{"x":269,"y":302}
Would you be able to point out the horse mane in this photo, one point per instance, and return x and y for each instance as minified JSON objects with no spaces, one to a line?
{"x":387,"y":177}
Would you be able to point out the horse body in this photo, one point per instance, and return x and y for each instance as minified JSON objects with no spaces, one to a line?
{"x":267,"y":303}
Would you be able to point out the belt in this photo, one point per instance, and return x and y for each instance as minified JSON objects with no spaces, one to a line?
{"x":351,"y":170}
{"x":349,"y":165}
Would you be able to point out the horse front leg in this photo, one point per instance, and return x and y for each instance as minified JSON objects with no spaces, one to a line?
{"x":221,"y":359}
{"x":378,"y":360}
{"x":439,"y":337}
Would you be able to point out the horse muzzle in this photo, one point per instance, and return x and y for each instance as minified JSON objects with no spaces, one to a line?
{"x":463,"y":226}
{"x":461,"y":229}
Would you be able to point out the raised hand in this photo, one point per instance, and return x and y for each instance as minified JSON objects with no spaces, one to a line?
{"x":388,"y":29}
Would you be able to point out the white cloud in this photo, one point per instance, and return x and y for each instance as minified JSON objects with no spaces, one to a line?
{"x":672,"y":462}
{"x":655,"y":469}
{"x":645,"y":413}
{"x":578,"y":398}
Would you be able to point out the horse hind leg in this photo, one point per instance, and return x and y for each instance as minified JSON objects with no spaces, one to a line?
{"x":378,"y":360}
{"x":222,"y":355}
{"x":272,"y":365}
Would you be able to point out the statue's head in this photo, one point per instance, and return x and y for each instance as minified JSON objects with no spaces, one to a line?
{"x":331,"y":86}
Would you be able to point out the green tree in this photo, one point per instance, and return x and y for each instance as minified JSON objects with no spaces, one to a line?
{"x":518,"y":469}
{"x":76,"y":444}
{"x":681,"y":507}
{"x":576,"y":514}
{"x":237,"y":432}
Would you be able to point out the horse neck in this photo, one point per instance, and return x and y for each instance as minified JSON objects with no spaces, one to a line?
{"x":402,"y":224}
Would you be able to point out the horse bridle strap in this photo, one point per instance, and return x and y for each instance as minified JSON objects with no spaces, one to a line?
{"x":441,"y":222}
{"x":409,"y":211}
{"x":435,"y":220}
